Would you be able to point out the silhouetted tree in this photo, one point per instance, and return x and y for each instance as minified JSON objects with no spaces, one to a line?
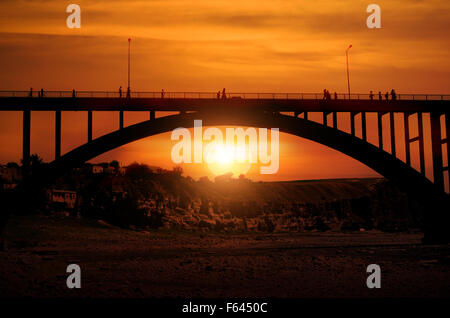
{"x":114,"y":164}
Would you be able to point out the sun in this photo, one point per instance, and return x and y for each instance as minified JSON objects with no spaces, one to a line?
{"x":223,"y":155}
{"x":223,"y":159}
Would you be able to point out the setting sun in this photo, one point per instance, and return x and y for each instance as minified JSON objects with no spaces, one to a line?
{"x":223,"y":159}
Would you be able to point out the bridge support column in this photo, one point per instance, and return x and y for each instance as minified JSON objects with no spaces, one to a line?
{"x":407,"y":141}
{"x":121,"y":119}
{"x":437,"y":217}
{"x":436,"y":146}
{"x":57,"y":134}
{"x":418,"y":138}
{"x":26,"y":142}
{"x":325,"y":119}
{"x":447,"y":136}
{"x":89,"y":125}
{"x":380,"y":130}
{"x":421,"y":144}
{"x":352,"y":123}
{"x":335,"y":120}
{"x":392,"y":124}
{"x":364,"y":126}
{"x":152,"y":115}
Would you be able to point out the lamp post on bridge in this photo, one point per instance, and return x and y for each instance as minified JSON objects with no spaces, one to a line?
{"x":129,"y":57}
{"x":348,"y":76}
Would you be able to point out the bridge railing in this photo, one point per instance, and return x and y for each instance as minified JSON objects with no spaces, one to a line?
{"x":215,"y":95}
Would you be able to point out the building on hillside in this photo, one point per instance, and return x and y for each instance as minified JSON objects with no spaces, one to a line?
{"x":97,"y":169}
{"x":63,"y":198}
{"x":11,"y":175}
{"x":109,"y":170}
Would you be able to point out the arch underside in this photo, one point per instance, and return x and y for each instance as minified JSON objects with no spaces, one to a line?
{"x":382,"y":162}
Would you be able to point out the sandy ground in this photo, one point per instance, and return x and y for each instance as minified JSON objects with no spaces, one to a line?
{"x":124,"y":263}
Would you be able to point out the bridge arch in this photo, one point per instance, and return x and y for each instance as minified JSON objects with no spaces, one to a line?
{"x":382,"y":162}
{"x":434,"y":200}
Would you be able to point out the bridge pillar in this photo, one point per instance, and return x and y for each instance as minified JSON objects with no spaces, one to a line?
{"x":436,"y":146}
{"x":57,"y":134}
{"x":89,"y":125}
{"x":392,"y":125}
{"x":447,"y":137}
{"x":437,"y":218}
{"x":380,"y":130}
{"x":121,"y":119}
{"x":407,"y":140}
{"x":325,"y":118}
{"x":352,"y":123}
{"x":364,"y":126}
{"x":418,"y":138}
{"x":421,"y":144}
{"x":335,"y":120}
{"x":26,"y":142}
{"x":152,"y":115}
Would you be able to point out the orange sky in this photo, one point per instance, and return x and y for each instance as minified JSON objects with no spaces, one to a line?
{"x":253,"y":46}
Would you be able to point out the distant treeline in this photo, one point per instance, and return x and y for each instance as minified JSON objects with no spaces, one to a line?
{"x":144,"y":196}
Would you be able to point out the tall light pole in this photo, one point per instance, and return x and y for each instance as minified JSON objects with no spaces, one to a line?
{"x":348,"y":76}
{"x":129,"y":57}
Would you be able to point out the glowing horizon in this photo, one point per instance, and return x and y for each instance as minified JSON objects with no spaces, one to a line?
{"x":252,"y":46}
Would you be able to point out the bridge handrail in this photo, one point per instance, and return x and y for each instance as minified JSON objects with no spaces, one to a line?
{"x":213,"y":95}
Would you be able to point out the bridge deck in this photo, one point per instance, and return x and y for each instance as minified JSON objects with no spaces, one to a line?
{"x":233,"y":103}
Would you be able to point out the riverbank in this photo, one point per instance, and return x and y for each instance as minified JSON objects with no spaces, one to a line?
{"x":124,"y":263}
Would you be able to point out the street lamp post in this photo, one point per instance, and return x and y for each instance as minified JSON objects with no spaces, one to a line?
{"x":129,"y":51}
{"x":348,"y":76}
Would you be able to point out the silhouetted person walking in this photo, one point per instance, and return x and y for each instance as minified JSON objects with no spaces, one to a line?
{"x":120,"y":92}
{"x":335,"y":96}
{"x":224,"y":95}
{"x":31,"y":91}
{"x":73,"y":93}
{"x":393,"y":95}
{"x":379,"y":96}
{"x":218,"y":94}
{"x":42,"y":93}
{"x":386,"y":95}
{"x":128,"y":93}
{"x":162,"y":93}
{"x":371,"y":95}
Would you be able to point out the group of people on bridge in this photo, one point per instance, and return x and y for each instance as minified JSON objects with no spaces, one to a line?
{"x":393,"y":94}
{"x":40,"y":93}
{"x":222,"y":94}
{"x":386,"y":96}
{"x":128,"y":92}
{"x":327,"y":95}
